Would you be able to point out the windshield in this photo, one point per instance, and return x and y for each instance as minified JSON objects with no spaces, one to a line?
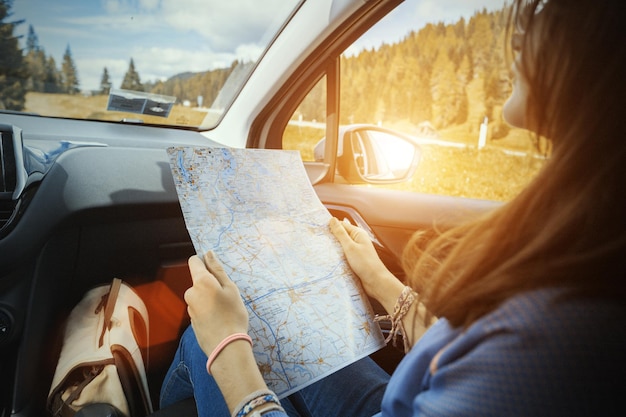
{"x":173,"y":62}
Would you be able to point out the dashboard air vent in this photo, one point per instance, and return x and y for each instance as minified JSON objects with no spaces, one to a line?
{"x":8,"y":169}
{"x":12,"y":175}
{"x":7,"y":211}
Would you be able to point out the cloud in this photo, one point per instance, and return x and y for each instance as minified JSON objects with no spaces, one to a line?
{"x":155,"y":62}
{"x":149,"y":4}
{"x":114,"y":25}
{"x":225,"y":24}
{"x":112,"y":6}
{"x":118,"y":6}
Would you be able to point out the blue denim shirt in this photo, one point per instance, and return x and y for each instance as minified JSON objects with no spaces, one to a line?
{"x":537,"y":354}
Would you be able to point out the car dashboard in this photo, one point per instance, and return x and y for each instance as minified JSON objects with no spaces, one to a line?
{"x":94,"y":201}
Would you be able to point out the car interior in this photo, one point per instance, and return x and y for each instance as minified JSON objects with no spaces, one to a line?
{"x":83,"y":202}
{"x":121,"y":218}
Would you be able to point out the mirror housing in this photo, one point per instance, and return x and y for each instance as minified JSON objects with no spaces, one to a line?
{"x":369,"y":154}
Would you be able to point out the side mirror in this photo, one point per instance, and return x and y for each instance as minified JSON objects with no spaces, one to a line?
{"x":372,"y":154}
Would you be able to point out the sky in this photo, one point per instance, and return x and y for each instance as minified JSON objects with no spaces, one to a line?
{"x":168,"y":37}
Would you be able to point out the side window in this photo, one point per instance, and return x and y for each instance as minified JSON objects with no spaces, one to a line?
{"x":442,"y":86}
{"x":307,"y":125}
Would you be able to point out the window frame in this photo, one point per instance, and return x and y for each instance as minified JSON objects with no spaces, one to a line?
{"x":268,"y":127}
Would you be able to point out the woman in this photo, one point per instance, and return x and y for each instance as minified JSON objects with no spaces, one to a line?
{"x":530,"y":299}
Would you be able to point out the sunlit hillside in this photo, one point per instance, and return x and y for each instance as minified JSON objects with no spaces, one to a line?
{"x":452,"y":77}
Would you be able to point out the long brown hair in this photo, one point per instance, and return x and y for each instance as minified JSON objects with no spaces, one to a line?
{"x":567,"y":228}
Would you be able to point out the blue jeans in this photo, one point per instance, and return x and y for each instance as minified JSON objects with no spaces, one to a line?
{"x":355,"y":390}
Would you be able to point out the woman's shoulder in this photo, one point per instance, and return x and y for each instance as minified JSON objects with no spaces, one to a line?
{"x":550,"y":340}
{"x":554,"y":311}
{"x":537,"y":348}
{"x":543,"y":319}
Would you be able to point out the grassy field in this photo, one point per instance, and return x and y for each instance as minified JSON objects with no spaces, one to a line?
{"x":488,"y":173}
{"x":94,"y":107}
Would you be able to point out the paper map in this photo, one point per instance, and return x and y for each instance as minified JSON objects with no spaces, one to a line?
{"x":257,"y":210}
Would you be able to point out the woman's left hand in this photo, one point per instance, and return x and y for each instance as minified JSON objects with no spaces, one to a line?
{"x":214,"y":303}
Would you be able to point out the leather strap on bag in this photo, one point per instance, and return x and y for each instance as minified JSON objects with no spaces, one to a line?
{"x":74,"y":383}
{"x":110,"y":307}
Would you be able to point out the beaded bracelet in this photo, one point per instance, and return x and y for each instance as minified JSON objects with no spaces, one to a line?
{"x":405,"y":300}
{"x":218,"y":349}
{"x":246,"y":407}
{"x":266,"y":410}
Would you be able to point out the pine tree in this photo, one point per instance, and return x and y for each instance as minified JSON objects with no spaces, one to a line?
{"x":52,"y":80}
{"x":35,"y":62}
{"x":105,"y":82}
{"x":481,"y":41}
{"x":69,"y":73}
{"x":12,"y":71}
{"x":179,"y":89}
{"x":445,"y":92}
{"x":32,"y":42}
{"x":43,"y":75}
{"x":131,"y":79}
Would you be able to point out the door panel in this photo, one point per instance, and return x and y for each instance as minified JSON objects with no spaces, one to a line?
{"x":393,"y":216}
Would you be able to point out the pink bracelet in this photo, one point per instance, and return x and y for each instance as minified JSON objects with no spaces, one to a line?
{"x":218,"y":349}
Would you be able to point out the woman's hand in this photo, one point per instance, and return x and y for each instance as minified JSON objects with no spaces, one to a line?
{"x":375,"y":277}
{"x":217,"y":311}
{"x":377,"y":281}
{"x":214,"y":303}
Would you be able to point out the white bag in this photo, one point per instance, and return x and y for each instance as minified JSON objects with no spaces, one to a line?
{"x":100,"y":360}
